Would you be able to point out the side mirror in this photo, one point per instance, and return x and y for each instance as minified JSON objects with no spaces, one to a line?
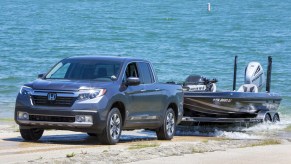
{"x":132,"y":81}
{"x":40,"y":75}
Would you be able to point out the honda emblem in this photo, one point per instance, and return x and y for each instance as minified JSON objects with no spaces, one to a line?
{"x":51,"y":96}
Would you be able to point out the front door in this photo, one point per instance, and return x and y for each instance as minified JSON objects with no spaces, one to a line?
{"x":153,"y":102}
{"x":135,"y":95}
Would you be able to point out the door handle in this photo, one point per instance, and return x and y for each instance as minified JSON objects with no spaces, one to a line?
{"x":157,"y":89}
{"x":143,"y":90}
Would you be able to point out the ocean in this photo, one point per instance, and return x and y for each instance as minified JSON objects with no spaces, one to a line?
{"x":180,"y":37}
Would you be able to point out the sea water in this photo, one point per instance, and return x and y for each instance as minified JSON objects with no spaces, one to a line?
{"x":180,"y":37}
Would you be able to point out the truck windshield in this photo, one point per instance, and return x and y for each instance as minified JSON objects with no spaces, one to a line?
{"x":85,"y":70}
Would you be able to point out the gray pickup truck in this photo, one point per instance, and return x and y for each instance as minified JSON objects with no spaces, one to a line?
{"x":100,"y":96}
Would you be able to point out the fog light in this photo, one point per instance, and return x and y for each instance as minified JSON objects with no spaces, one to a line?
{"x":23,"y":116}
{"x":83,"y":118}
{"x":88,"y":119}
{"x":80,"y":118}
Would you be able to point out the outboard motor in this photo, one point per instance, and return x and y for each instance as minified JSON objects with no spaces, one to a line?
{"x":254,"y":74}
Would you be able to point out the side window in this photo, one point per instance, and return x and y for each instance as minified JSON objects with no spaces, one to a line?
{"x":146,"y":73}
{"x":131,"y":71}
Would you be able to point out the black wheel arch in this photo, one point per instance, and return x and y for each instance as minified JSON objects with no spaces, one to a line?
{"x":121,"y":107}
{"x":175,"y":109}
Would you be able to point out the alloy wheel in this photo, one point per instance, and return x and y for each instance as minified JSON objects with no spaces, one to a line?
{"x":114,"y":126}
{"x":170,"y":124}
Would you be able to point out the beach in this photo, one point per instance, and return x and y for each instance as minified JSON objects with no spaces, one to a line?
{"x":139,"y":146}
{"x":250,"y":155}
{"x":180,"y":38}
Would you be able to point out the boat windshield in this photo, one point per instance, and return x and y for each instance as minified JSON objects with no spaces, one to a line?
{"x":85,"y":70}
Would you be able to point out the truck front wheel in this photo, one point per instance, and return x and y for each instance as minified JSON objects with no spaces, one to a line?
{"x":31,"y":134}
{"x":167,"y":130}
{"x":112,"y":131}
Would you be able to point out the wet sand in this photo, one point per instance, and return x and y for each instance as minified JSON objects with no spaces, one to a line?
{"x":272,"y":154}
{"x":134,"y":146}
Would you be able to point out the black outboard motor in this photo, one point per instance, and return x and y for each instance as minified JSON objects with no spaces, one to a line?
{"x":195,"y":79}
{"x":197,"y":83}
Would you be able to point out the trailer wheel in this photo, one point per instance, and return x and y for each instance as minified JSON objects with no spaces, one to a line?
{"x":167,"y":130}
{"x":267,"y":118}
{"x":276,"y":118}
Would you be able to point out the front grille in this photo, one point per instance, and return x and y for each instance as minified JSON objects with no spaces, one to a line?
{"x":51,"y":118}
{"x":60,"y":101}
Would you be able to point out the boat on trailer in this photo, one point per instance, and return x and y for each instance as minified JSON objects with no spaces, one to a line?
{"x":203,"y":103}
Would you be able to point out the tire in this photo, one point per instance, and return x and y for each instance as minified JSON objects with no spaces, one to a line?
{"x":31,"y":134}
{"x":276,"y":118}
{"x":167,"y":130}
{"x":112,"y":131}
{"x":92,"y":134}
{"x":267,"y":118}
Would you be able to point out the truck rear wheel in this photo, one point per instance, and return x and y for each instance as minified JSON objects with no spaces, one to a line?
{"x":31,"y":134}
{"x":167,"y":130}
{"x":112,"y":131}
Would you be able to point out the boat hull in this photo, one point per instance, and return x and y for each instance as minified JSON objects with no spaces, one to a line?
{"x":229,"y":104}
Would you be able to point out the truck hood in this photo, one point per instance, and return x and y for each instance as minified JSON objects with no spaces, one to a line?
{"x":67,"y":85}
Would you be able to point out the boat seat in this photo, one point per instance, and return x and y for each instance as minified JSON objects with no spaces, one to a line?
{"x":213,"y":87}
{"x":248,"y":88}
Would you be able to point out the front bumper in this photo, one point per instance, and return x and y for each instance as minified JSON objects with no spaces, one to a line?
{"x":60,"y":124}
{"x":59,"y":116}
{"x":60,"y":120}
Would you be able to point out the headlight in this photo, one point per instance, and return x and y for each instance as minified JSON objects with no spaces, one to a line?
{"x":24,"y":90}
{"x":91,"y":94}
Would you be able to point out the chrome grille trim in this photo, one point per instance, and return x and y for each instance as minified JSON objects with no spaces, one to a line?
{"x":63,"y":99}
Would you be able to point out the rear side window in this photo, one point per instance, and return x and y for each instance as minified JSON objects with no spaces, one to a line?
{"x":146,"y":73}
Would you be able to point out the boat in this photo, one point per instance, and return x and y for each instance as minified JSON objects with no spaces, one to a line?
{"x":203,"y":102}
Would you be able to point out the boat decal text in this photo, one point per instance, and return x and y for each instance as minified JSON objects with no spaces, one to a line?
{"x":222,"y":100}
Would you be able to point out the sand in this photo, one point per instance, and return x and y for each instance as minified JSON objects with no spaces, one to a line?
{"x":280,"y":154}
{"x":138,"y":147}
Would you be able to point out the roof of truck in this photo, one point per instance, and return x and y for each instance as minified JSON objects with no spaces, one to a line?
{"x":108,"y":58}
